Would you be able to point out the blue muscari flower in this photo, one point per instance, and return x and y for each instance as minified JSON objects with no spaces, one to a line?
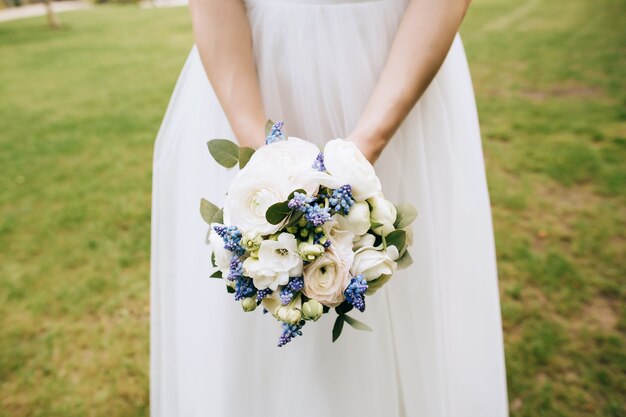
{"x":355,"y":292}
{"x":289,"y":332}
{"x":236,"y":268}
{"x":275,"y":135}
{"x":341,"y":200}
{"x":300,"y":201}
{"x":261,"y":294}
{"x":232,"y":238}
{"x":317,"y":215}
{"x":318,"y":164}
{"x":244,"y":287}
{"x":289,"y":291}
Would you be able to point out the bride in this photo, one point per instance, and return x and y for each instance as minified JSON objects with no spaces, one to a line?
{"x":390,"y":75}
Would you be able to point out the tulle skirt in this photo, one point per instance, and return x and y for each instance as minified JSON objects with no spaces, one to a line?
{"x":436,"y":349}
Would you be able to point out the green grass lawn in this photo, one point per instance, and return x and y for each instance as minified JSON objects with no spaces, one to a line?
{"x":80,"y":108}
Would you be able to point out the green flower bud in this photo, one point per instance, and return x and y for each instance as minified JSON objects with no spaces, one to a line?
{"x":319,"y":229}
{"x":248,"y":304}
{"x":312,"y":310}
{"x":309,"y":251}
{"x":254,"y":254}
{"x":304,"y":232}
{"x":292,"y":229}
{"x":302,"y":222}
{"x":323,"y":240}
{"x":288,"y":314}
{"x":251,"y":243}
{"x":274,"y":236}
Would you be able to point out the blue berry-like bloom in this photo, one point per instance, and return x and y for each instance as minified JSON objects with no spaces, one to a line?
{"x":289,"y":332}
{"x":261,"y":294}
{"x":244,"y":288}
{"x":317,"y":215}
{"x":275,"y":135}
{"x":236,"y":268}
{"x":231,"y":237}
{"x":318,"y":164}
{"x":355,"y":292}
{"x":341,"y":201}
{"x":300,"y":201}
{"x":289,"y":291}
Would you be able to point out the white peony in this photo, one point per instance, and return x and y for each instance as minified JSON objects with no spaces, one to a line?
{"x":273,"y":172}
{"x":277,"y":261}
{"x":345,"y":163}
{"x":222,"y":256}
{"x":383,"y":212}
{"x":358,"y":219}
{"x":374,"y":262}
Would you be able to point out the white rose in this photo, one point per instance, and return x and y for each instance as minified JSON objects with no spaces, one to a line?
{"x":347,"y":165}
{"x":383,"y":212}
{"x":358,"y":219}
{"x":278,"y":260}
{"x":327,"y":277}
{"x":372,"y":262}
{"x":273,"y":172}
{"x":222,"y":256}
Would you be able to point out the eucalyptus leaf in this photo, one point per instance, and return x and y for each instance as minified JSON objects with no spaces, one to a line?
{"x":245,"y":154}
{"x":276,"y":213}
{"x":207,"y":210}
{"x":224,"y":151}
{"x":294,"y":218}
{"x":359,"y":325}
{"x":397,"y":238}
{"x":216,"y":274}
{"x":338,"y":327}
{"x":218,"y":217}
{"x":375,"y":225}
{"x":406,"y":214}
{"x":268,"y":127}
{"x":230,"y":290}
{"x":375,"y":285}
{"x":405,"y":260}
{"x":213,"y":260}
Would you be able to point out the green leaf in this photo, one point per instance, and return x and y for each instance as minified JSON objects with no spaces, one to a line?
{"x":375,"y":285}
{"x":276,"y":213}
{"x":338,"y":327}
{"x":245,"y":154}
{"x":224,"y":151}
{"x":405,"y":260}
{"x":359,"y":325}
{"x":294,"y":218}
{"x":406,"y":214}
{"x":216,"y":274}
{"x":213,"y":260}
{"x":207,"y":210}
{"x":375,"y":225}
{"x":397,"y":238}
{"x":218,"y":217}
{"x":268,"y":127}
{"x":230,"y":290}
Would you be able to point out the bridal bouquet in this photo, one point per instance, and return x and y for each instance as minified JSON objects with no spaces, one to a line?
{"x":303,"y":231}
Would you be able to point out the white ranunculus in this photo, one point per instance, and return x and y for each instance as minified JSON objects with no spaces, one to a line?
{"x":358,"y":219}
{"x":367,"y":239}
{"x":383,"y":212}
{"x":327,"y":277}
{"x":372,"y":262}
{"x":347,"y":165}
{"x":273,"y":172}
{"x":277,"y":261}
{"x":222,"y":256}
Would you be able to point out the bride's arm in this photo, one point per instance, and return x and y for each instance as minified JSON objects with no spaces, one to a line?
{"x":224,"y":42}
{"x":422,"y":41}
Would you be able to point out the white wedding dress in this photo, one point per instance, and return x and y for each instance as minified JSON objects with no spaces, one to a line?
{"x":436,"y":349}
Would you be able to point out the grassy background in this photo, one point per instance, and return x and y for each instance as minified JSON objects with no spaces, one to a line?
{"x":80,"y":108}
